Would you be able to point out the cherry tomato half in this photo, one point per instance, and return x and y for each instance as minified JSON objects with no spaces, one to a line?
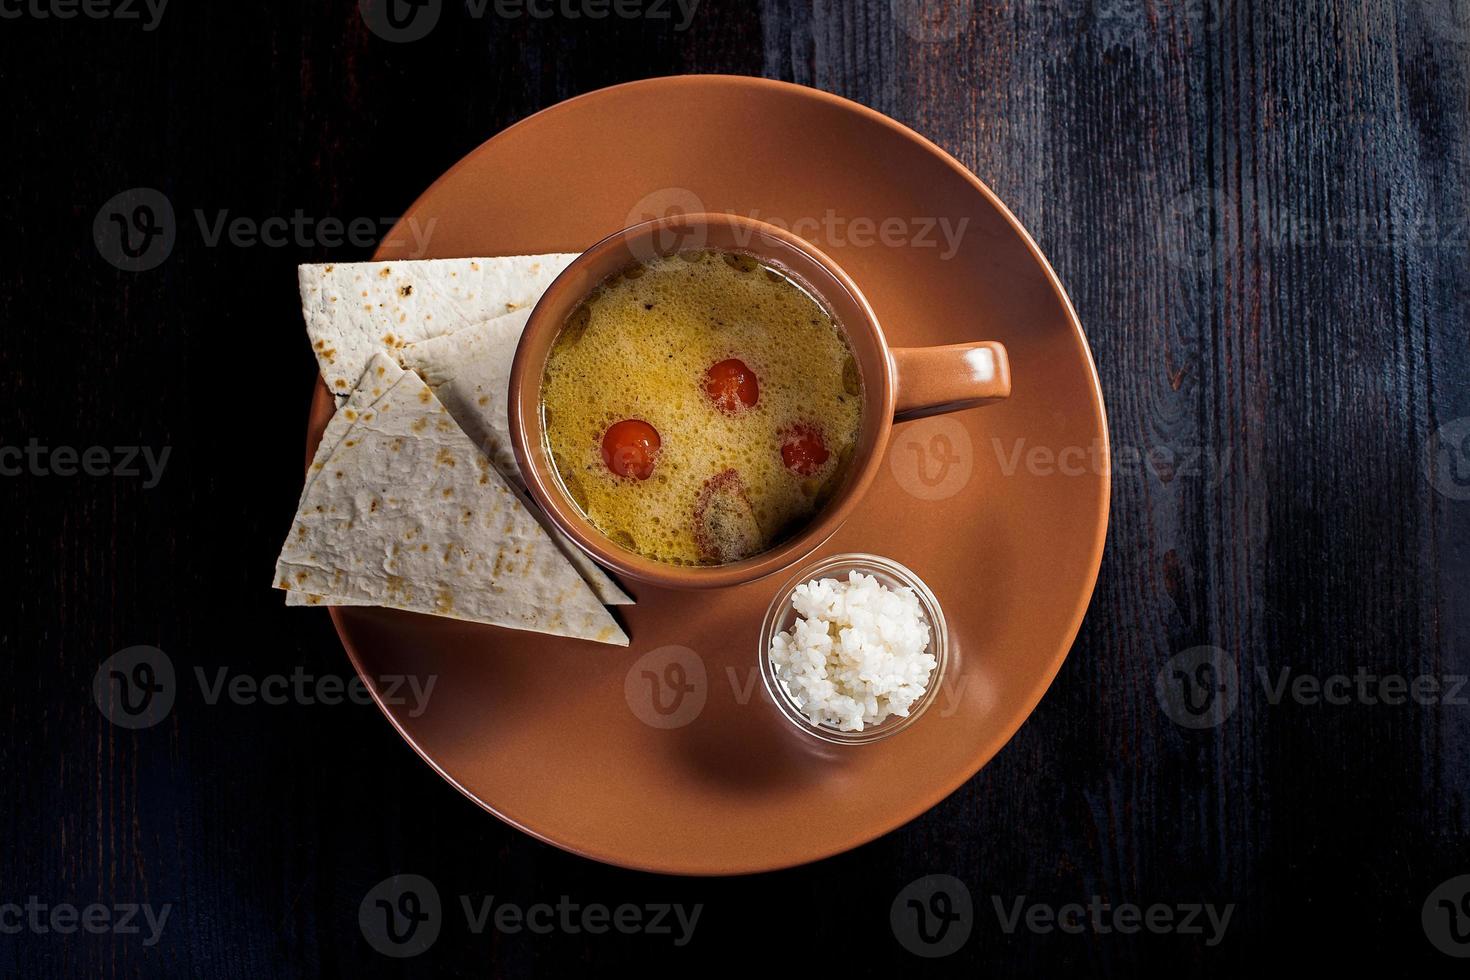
{"x":803,"y":450}
{"x":629,"y":448}
{"x":732,"y":386}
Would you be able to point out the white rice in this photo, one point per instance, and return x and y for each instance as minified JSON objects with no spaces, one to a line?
{"x":856,"y":654}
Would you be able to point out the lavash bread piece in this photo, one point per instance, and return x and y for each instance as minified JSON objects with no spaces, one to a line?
{"x":354,"y":309}
{"x":371,"y":388}
{"x":404,"y":512}
{"x":469,"y":372}
{"x":369,"y":391}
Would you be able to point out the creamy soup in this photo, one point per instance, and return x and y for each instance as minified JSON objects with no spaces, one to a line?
{"x":701,"y":407}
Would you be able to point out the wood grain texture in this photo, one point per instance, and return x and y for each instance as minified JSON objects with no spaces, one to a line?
{"x":1260,"y":211}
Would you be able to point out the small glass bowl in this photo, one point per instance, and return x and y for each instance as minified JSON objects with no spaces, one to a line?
{"x":781,"y":616}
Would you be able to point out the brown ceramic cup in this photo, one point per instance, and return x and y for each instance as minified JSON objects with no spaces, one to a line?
{"x":899,"y":383}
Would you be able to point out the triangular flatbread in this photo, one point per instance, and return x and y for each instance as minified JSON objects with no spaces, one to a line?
{"x":354,"y":309}
{"x":402,"y":510}
{"x":469,"y":372}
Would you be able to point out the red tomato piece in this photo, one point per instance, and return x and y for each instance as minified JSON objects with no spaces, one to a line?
{"x":803,"y":449}
{"x":732,"y":386}
{"x":629,"y":448}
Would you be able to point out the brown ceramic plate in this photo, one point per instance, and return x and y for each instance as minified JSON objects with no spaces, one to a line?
{"x":563,"y":739}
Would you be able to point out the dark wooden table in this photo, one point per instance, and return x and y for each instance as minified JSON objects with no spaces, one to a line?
{"x":1260,"y":210}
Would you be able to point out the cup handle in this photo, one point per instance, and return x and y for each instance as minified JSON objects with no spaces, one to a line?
{"x":933,"y":380}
